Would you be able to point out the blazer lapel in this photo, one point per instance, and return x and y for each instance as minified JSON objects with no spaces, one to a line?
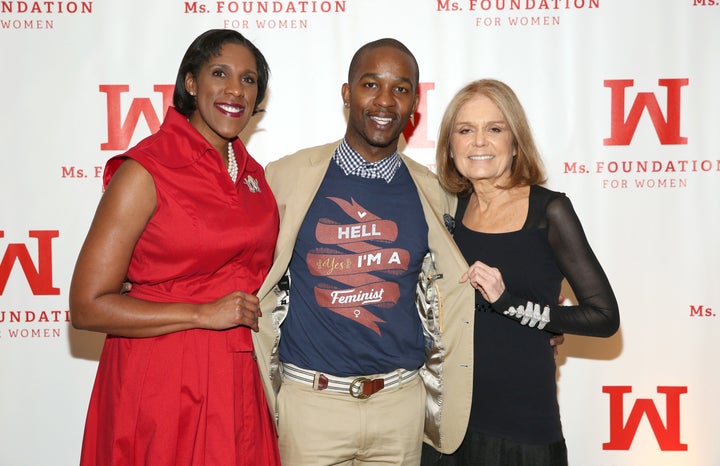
{"x":305,"y":178}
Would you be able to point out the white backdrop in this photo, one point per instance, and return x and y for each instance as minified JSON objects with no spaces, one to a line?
{"x":624,"y":101}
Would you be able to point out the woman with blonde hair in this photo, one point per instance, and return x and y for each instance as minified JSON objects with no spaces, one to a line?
{"x":522,"y":240}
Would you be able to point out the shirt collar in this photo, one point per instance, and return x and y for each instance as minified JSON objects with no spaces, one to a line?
{"x":352,"y":163}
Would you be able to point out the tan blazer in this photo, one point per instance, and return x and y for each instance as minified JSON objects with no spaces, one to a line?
{"x":448,"y":371}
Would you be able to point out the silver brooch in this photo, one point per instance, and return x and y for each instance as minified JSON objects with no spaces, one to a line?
{"x":252,"y":184}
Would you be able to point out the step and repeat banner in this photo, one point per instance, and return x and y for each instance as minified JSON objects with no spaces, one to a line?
{"x":623,"y":97}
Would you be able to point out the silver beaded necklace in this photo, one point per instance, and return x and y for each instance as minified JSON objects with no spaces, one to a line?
{"x":232,"y":166}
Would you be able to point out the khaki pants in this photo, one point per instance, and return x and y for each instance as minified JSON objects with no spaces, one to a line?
{"x":322,"y":428}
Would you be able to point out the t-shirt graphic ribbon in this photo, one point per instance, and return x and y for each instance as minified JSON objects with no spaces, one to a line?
{"x":351,"y":260}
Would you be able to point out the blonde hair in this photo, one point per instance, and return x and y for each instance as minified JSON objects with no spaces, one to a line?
{"x":527,"y":167}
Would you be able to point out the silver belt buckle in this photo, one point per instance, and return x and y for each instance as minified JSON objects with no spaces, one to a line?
{"x":358,"y":384}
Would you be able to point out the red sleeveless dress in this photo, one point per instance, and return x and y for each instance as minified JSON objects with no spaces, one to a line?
{"x":193,"y":397}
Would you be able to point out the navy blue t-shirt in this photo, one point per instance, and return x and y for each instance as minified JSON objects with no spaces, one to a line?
{"x":353,"y":274}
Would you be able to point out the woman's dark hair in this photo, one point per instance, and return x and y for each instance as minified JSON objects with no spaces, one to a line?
{"x":205,"y":46}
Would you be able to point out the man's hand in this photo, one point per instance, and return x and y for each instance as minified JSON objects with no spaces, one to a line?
{"x":555,"y":341}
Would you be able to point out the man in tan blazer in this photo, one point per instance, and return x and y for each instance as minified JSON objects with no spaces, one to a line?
{"x":365,"y":342}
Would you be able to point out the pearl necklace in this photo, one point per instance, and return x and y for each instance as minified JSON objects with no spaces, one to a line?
{"x":232,"y":166}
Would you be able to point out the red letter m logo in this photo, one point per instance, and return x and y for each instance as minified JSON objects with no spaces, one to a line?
{"x":416,"y":132}
{"x":622,"y":130}
{"x":39,"y":278}
{"x":668,"y":436}
{"x":120,"y":132}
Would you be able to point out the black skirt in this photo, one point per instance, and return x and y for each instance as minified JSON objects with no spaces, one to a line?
{"x":479,"y":449}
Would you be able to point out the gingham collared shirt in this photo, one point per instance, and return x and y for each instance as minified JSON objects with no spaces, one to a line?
{"x":352,"y":163}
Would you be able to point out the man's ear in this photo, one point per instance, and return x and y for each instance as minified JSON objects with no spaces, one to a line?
{"x":345,"y":93}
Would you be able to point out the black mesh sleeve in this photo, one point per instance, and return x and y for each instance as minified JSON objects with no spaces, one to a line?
{"x":596,"y":313}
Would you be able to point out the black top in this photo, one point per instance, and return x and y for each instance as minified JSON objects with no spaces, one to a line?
{"x":514,"y":393}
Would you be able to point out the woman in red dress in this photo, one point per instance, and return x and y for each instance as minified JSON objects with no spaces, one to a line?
{"x":189,"y":220}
